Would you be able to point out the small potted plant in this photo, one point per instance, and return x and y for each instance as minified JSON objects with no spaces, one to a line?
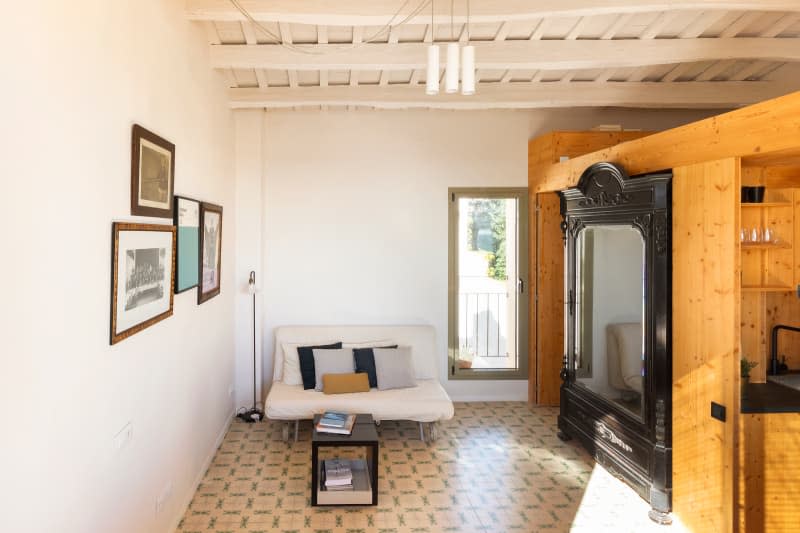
{"x":745,"y":368}
{"x":465,"y":357}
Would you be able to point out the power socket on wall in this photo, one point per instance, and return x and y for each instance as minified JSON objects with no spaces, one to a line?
{"x":161,"y":501}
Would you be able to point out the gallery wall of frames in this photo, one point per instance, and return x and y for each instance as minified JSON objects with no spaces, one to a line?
{"x":150,"y":263}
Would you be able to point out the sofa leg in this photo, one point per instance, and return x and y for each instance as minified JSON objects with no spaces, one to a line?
{"x":433,"y":432}
{"x":296,"y":429}
{"x":421,"y":432}
{"x":285,"y":432}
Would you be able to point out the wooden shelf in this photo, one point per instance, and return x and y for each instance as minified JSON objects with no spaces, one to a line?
{"x":767,"y":246}
{"x":767,"y":204}
{"x":767,"y":288}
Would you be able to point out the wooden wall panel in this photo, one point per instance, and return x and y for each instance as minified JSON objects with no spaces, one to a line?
{"x":705,"y":343}
{"x":550,"y":309}
{"x":769,"y":466}
{"x":766,"y":127}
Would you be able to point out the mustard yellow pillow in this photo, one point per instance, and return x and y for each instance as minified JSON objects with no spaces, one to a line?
{"x":343,"y":383}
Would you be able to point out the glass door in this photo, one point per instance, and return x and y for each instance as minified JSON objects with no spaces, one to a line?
{"x":488,"y":283}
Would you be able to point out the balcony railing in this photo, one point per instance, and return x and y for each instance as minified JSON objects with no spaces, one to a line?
{"x":483,"y":323}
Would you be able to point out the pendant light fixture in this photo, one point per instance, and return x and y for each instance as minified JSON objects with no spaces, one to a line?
{"x":432,"y":78}
{"x":460,"y":62}
{"x":468,"y":64}
{"x":451,"y":71}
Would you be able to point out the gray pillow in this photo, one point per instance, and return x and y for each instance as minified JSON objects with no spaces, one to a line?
{"x":394,"y":368}
{"x":332,"y":362}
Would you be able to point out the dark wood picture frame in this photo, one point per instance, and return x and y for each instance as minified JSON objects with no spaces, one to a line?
{"x":178,"y":262}
{"x":138,"y":135}
{"x":117,"y":228}
{"x":204,"y":295}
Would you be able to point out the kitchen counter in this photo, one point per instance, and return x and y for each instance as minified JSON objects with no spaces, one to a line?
{"x":771,"y":398}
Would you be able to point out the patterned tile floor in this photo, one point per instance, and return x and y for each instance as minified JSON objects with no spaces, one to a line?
{"x":495,"y":467}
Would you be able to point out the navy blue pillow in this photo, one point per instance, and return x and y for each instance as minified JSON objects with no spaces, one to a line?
{"x":365,"y":363}
{"x":307,"y":370}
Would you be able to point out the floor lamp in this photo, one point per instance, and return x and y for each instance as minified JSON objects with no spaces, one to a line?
{"x":254,"y":414}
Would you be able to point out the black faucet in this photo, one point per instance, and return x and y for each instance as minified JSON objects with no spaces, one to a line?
{"x":775,"y":367}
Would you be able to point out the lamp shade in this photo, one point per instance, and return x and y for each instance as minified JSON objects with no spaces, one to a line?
{"x":432,"y":83}
{"x":468,"y":70}
{"x":451,"y":74}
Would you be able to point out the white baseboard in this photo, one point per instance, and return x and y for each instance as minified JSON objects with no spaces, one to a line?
{"x":203,"y":470}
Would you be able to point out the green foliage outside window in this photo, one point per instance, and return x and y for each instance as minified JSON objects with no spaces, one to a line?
{"x":486,"y":231}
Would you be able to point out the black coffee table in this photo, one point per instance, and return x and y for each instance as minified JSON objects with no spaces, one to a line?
{"x":365,"y":472}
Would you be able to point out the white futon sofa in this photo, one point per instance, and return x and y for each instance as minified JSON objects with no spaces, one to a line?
{"x":427,"y":403}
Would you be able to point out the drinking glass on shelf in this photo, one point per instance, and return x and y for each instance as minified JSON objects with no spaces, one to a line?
{"x":755,"y":236}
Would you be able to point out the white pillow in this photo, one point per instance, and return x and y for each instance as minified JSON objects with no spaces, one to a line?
{"x":291,"y":363}
{"x":368,"y":344}
{"x":394,"y":368}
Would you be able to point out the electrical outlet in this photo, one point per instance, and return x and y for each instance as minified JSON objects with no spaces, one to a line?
{"x":161,"y":501}
{"x":124,"y":436}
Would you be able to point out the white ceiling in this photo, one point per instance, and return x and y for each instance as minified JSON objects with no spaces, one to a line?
{"x":548,"y":53}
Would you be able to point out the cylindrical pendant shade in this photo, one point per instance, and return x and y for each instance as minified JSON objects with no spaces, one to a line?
{"x":432,"y":83}
{"x":451,"y":74}
{"x":468,"y":70}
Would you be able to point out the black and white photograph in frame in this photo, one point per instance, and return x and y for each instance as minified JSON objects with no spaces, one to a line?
{"x":152,"y":174}
{"x":210,"y":251}
{"x":143,"y":274}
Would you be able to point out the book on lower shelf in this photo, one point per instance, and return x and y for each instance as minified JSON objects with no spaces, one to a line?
{"x":356,"y":491}
{"x":345,"y":428}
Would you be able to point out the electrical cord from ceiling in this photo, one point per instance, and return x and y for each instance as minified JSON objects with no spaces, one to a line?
{"x":278,"y":40}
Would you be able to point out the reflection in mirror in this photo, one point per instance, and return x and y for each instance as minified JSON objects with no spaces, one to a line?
{"x":610,"y":306}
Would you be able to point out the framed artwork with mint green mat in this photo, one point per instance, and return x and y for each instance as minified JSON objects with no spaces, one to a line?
{"x":187,"y":259}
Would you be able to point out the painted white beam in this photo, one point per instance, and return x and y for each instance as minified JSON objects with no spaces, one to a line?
{"x":503,"y":55}
{"x":380,"y":12}
{"x":520,"y":95}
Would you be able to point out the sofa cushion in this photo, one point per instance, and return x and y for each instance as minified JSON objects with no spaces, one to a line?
{"x":344,"y":383}
{"x":394,"y":368}
{"x":365,"y":362}
{"x":331,"y":362}
{"x":306,"y":356}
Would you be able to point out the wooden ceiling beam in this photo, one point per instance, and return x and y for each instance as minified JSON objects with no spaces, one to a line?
{"x":380,"y":12}
{"x":503,"y":55}
{"x":519,"y":95}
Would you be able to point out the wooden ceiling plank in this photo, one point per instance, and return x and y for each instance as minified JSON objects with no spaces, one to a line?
{"x":714,"y":70}
{"x":286,"y":38}
{"x":605,"y":75}
{"x":249,"y":33}
{"x":749,"y":71}
{"x":740,"y":24}
{"x":618,"y":24}
{"x":520,"y":95}
{"x":261,"y":76}
{"x":511,"y":54}
{"x":379,"y":12}
{"x":657,"y":26}
{"x":781,"y":25}
{"x":575,"y":32}
{"x":322,"y":35}
{"x":502,"y":31}
{"x":538,"y":31}
{"x":701,"y":24}
{"x":211,"y":33}
{"x":323,"y":78}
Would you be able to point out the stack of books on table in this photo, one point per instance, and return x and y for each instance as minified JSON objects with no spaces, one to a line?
{"x":338,"y":475}
{"x":333,"y":422}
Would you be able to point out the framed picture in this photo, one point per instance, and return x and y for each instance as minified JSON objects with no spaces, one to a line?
{"x":187,"y":257}
{"x":142,"y":277}
{"x":210,"y":251}
{"x":152,"y":174}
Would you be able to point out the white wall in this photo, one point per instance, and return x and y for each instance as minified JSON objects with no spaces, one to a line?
{"x":76,"y":75}
{"x":355,"y":210}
